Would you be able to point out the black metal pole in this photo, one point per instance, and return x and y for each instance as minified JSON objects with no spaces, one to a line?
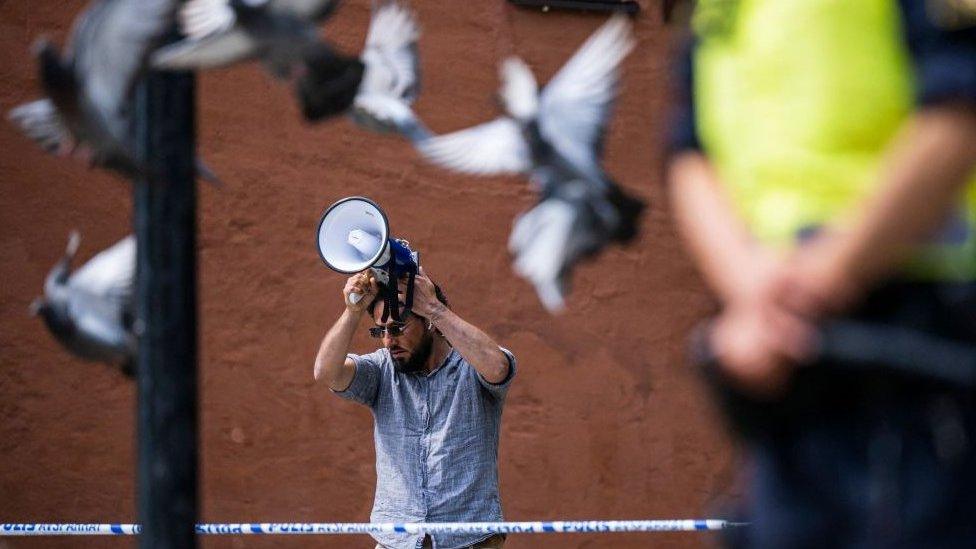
{"x":166,"y":311}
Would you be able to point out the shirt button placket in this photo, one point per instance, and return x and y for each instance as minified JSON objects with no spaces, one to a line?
{"x":425,"y":445}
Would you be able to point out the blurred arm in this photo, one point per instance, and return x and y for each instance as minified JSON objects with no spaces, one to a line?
{"x":719,"y":243}
{"x":927,"y":169}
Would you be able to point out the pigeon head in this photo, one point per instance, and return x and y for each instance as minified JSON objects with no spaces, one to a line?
{"x":56,"y":76}
{"x":54,"y":315}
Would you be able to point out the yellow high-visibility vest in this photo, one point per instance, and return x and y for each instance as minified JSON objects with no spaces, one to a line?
{"x":796,"y":103}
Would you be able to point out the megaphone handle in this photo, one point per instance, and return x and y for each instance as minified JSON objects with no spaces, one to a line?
{"x":355,"y":298}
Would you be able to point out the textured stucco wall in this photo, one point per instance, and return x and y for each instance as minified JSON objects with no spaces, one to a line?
{"x":604,"y":420}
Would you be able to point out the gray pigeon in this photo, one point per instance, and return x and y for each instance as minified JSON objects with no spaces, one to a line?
{"x":88,"y":111}
{"x":90,"y":311}
{"x":223,"y":32}
{"x":282,"y":34}
{"x":555,"y":137}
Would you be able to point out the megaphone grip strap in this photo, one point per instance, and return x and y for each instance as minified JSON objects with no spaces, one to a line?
{"x":408,"y":301}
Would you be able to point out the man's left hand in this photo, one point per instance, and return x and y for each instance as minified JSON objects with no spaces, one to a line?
{"x":425,"y":302}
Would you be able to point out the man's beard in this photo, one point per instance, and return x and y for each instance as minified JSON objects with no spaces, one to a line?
{"x":418,"y":358}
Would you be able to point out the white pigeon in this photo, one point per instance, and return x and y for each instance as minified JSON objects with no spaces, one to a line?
{"x":90,"y":311}
{"x":555,"y":137}
{"x":388,"y":66}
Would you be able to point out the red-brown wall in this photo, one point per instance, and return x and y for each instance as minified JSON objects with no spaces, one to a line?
{"x":604,"y":420}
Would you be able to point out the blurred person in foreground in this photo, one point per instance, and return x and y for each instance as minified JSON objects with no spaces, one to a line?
{"x":436,"y":389}
{"x":821,"y":170}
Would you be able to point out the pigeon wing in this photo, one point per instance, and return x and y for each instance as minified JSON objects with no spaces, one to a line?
{"x":110,"y":275}
{"x":541,"y":242}
{"x":575,"y":105}
{"x":111,"y":44}
{"x":210,"y":52}
{"x":201,"y":18}
{"x":40,"y":121}
{"x":390,"y":55}
{"x":306,"y":9}
{"x":493,"y":148}
{"x":99,"y":323}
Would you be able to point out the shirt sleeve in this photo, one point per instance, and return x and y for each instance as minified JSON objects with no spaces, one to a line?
{"x":942,"y":45}
{"x":366,"y":381}
{"x":683,"y":131}
{"x":499,"y":390}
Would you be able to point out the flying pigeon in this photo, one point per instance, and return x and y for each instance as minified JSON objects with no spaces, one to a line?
{"x":223,"y":32}
{"x":87,"y":111}
{"x":282,"y":34}
{"x":90,"y":311}
{"x":555,"y":137}
{"x":390,"y":68}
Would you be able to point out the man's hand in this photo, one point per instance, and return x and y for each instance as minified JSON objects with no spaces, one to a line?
{"x":365,"y":285}
{"x":759,"y":338}
{"x":425,"y":302}
{"x":758,"y":344}
{"x":820,"y":279}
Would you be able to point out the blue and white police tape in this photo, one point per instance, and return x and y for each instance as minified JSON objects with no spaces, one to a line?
{"x":559,"y":526}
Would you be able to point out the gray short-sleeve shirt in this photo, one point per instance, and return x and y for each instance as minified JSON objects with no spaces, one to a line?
{"x":436,"y":439}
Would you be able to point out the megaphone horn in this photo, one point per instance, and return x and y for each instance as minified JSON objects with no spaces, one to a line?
{"x":354,"y":235}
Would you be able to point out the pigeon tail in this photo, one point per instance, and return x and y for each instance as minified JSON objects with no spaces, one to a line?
{"x":39,"y":120}
{"x":629,"y":209}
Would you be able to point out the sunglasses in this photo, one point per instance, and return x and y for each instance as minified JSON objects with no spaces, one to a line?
{"x":395,"y":329}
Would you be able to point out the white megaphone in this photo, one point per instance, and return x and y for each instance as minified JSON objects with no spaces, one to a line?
{"x":354,"y":235}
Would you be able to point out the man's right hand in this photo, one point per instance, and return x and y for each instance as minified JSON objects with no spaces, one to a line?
{"x":365,"y":285}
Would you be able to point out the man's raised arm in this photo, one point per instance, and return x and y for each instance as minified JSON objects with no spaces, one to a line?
{"x":331,"y":363}
{"x":475,"y":346}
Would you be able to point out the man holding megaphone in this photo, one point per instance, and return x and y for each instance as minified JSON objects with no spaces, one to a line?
{"x":436,"y":388}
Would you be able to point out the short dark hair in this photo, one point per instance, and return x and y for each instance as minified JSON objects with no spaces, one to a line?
{"x":438,"y":292}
